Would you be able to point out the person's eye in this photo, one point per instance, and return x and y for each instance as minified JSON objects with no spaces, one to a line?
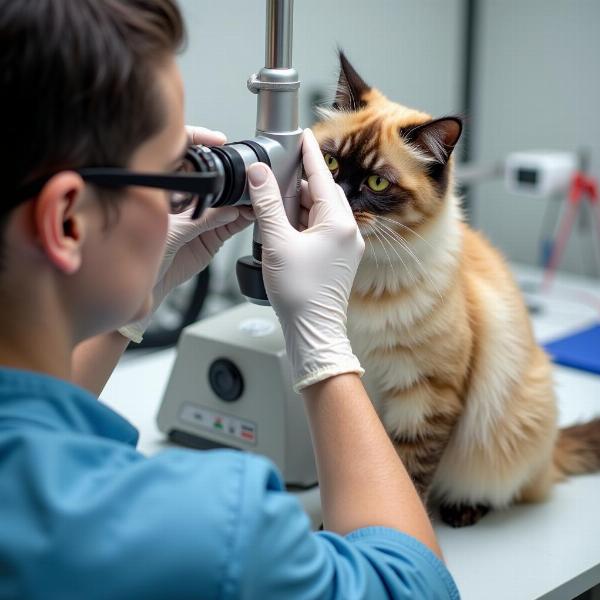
{"x":180,"y":201}
{"x":377,"y":183}
{"x":184,"y":166}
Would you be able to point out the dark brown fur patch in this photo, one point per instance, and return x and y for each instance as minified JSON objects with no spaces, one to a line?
{"x":463,"y":515}
{"x":578,"y":449}
{"x":422,"y":450}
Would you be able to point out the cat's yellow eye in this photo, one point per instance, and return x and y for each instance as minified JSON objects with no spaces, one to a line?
{"x":331,"y":161}
{"x":378,"y":183}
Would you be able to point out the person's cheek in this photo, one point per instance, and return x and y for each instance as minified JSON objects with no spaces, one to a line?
{"x":157,"y":242}
{"x":142,"y":239}
{"x":148,"y":232}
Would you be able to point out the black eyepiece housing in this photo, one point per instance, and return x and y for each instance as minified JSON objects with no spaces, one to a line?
{"x":229,"y":163}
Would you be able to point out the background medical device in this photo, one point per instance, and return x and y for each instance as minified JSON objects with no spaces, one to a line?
{"x":231,"y":384}
{"x":541,"y":174}
{"x":231,"y":387}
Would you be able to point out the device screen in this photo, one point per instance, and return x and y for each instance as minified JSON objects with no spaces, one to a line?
{"x":528,"y":176}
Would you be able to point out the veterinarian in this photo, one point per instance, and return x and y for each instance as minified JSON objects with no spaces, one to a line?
{"x":92,"y":84}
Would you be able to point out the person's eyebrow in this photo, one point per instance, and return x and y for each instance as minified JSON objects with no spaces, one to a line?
{"x":179,"y":157}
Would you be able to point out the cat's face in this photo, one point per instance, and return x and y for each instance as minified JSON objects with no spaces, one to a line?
{"x":392,"y":162}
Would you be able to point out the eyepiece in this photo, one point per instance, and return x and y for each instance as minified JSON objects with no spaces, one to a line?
{"x":229,"y":162}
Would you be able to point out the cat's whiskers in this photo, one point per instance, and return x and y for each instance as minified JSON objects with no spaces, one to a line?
{"x":404,"y":245}
{"x":408,"y":229}
{"x":381,"y":241}
{"x":379,"y":233}
{"x":412,"y":278}
{"x":373,"y":252}
{"x":386,"y":238}
{"x":365,"y":223}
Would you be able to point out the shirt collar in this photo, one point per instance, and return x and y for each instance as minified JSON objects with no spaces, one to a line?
{"x":49,"y":402}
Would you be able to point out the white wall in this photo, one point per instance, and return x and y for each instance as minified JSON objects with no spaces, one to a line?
{"x":409,"y":48}
{"x":538,"y":88}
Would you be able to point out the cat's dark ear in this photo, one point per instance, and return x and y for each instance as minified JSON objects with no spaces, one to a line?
{"x":436,"y":139}
{"x":351,"y":87}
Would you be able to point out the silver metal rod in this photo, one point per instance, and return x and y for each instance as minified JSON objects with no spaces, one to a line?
{"x":278,"y":46}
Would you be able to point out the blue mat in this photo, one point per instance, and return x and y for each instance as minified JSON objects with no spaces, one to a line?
{"x":580,"y":350}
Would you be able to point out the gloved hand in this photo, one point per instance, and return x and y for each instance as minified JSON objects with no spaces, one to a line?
{"x":191,"y":244}
{"x":308,"y":274}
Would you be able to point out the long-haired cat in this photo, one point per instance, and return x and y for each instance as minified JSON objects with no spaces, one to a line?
{"x":463,"y":389}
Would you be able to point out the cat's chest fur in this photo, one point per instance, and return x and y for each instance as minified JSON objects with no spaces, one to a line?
{"x":384,"y":334}
{"x":401,"y":321}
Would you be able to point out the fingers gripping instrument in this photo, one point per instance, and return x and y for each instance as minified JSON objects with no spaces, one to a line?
{"x":277,"y":131}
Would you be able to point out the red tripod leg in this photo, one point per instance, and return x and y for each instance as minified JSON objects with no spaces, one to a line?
{"x":593,"y":197}
{"x":564,"y":232}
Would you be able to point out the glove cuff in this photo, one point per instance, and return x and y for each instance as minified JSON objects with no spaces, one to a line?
{"x":133,"y":331}
{"x":323,"y":363}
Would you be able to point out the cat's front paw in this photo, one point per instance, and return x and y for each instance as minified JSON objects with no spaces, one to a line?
{"x":462,"y":515}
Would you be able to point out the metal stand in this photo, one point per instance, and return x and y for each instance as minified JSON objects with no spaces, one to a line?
{"x":276,"y":86}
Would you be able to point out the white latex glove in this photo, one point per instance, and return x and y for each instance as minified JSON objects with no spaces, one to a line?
{"x":308,"y":274}
{"x":191,"y":244}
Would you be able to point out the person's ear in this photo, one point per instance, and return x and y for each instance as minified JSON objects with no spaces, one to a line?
{"x":58,"y":220}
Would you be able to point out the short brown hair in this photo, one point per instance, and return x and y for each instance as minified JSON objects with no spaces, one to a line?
{"x":77,"y":83}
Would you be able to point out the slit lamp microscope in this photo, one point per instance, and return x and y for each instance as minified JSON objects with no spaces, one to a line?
{"x":230,"y":386}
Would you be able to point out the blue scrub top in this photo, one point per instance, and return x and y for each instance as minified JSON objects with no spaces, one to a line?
{"x":84,"y":515}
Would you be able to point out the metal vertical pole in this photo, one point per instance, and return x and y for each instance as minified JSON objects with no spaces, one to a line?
{"x":277,"y":131}
{"x":279,"y":31}
{"x":468,"y":92}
